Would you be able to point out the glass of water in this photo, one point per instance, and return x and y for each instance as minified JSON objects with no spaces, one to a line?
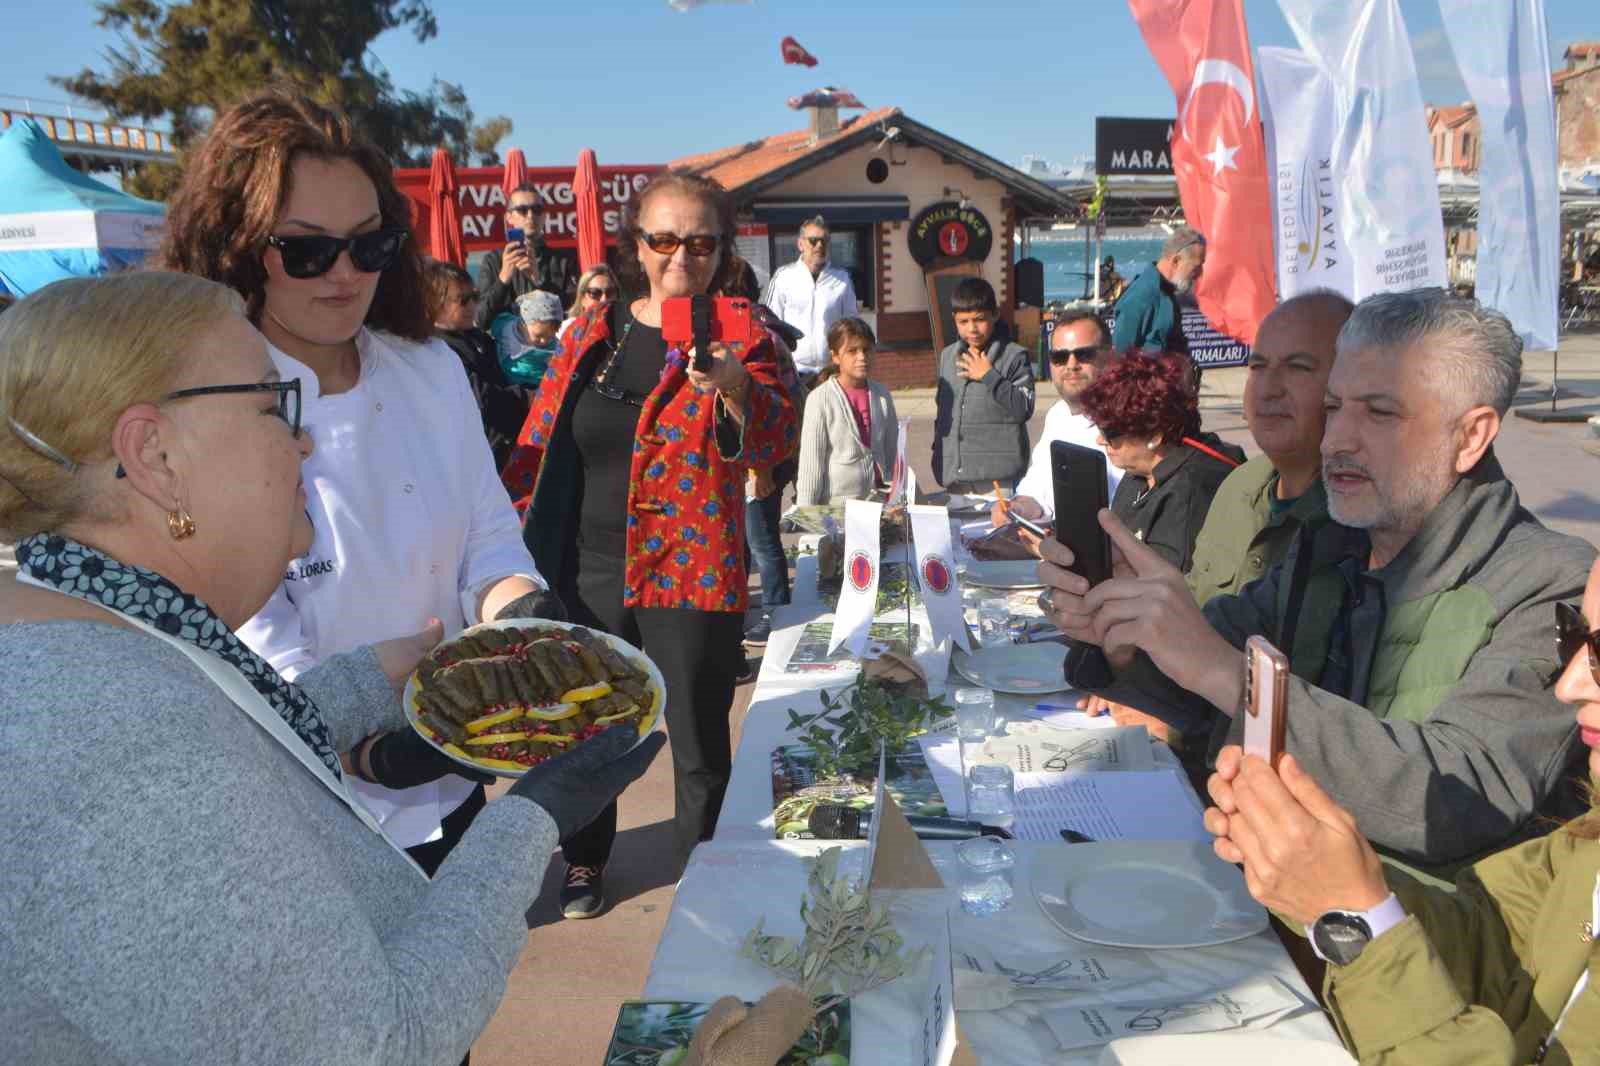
{"x":987,"y":870}
{"x":974,"y":713}
{"x":994,"y":620}
{"x":991,"y":794}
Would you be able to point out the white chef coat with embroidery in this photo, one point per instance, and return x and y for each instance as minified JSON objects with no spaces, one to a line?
{"x":410,"y":522}
{"x":810,"y":305}
{"x":1061,"y":423}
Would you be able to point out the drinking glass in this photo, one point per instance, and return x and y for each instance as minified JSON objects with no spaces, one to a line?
{"x":974,"y":713}
{"x":994,"y":620}
{"x":987,"y":865}
{"x":991,"y":794}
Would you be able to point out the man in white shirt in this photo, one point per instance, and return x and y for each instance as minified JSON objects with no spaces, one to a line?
{"x":1080,"y":347}
{"x":810,"y":295}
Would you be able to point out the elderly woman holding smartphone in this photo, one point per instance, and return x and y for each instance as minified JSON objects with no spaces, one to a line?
{"x":633,"y":461}
{"x":187,"y":877}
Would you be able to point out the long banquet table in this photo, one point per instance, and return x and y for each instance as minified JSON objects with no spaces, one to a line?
{"x":744,"y":875}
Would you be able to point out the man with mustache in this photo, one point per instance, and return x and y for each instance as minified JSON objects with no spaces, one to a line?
{"x":1148,"y":318}
{"x":1262,"y":505}
{"x":1417,"y":623}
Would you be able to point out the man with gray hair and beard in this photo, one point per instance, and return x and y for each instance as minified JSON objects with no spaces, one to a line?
{"x":1418,"y":623}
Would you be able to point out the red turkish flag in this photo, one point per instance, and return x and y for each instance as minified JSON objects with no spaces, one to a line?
{"x":1218,"y":153}
{"x":793,"y":53}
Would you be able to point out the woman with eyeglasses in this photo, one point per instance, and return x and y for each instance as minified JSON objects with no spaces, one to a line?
{"x":634,"y":463}
{"x":287,"y":204}
{"x":187,"y":877}
{"x":598,"y":288}
{"x":1504,"y":969}
{"x":452,"y":302}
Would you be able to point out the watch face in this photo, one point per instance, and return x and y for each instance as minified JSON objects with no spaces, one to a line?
{"x":1340,"y":937}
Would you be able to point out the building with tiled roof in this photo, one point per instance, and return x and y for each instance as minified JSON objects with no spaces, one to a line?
{"x":906,"y":205}
{"x":1457,"y":135}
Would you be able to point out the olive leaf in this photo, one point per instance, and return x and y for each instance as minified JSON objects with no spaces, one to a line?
{"x":850,"y":945}
{"x":843,"y":738}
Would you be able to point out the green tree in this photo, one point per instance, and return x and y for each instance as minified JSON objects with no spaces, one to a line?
{"x":186,"y":61}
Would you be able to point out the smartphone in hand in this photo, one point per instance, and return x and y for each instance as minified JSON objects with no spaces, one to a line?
{"x":1078,"y":479}
{"x":1029,"y":524}
{"x":514,"y":235}
{"x":700,"y":321}
{"x":1266,"y":703}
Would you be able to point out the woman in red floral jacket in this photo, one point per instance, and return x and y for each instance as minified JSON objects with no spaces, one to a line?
{"x":631,"y":467}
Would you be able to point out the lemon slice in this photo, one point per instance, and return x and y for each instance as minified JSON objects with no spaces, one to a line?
{"x":489,"y":721}
{"x":586,"y":692}
{"x":502,"y":764}
{"x":489,"y":740}
{"x":616,"y":717}
{"x":553,"y":712}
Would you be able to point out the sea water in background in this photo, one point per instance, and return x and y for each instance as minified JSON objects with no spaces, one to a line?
{"x":1065,"y":258}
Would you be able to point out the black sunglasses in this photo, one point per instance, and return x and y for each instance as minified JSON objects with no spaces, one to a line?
{"x":312,"y":256}
{"x":699,"y":244}
{"x":288,"y":401}
{"x":1573,"y":635}
{"x":1059,"y":356}
{"x":814,"y":241}
{"x":523,"y":209}
{"x":600,"y":294}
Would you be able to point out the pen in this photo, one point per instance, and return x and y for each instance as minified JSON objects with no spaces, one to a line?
{"x":1072,"y":836}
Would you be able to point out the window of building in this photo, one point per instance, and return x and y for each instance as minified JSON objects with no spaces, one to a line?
{"x":1466,"y":148}
{"x":849,"y":247}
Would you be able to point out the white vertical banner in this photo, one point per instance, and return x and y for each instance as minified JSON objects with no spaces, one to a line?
{"x":936,"y":574}
{"x":858,"y":593}
{"x":902,"y":468}
{"x":1382,"y":157}
{"x":1297,"y":108}
{"x":1503,"y":51}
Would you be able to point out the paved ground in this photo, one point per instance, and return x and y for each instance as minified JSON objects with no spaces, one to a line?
{"x":564,"y":993}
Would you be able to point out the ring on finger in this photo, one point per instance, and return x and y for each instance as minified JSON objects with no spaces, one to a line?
{"x":1047,"y":602}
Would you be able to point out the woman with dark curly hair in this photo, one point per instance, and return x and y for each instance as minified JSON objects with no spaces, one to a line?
{"x":633,"y":466}
{"x":287,"y":204}
{"x":1149,"y":423}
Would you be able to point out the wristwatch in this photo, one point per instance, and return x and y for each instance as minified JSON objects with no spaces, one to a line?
{"x":1339,"y":937}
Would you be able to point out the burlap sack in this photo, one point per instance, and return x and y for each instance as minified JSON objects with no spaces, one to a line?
{"x":896,"y":669}
{"x":732,"y":1034}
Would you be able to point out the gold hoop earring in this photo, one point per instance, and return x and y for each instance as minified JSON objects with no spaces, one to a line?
{"x":180,"y":524}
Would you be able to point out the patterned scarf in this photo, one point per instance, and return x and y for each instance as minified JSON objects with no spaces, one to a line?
{"x":79,"y":570}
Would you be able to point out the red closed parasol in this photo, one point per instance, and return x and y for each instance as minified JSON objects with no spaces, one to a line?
{"x":444,"y":222}
{"x":586,"y":197}
{"x":516,"y":172}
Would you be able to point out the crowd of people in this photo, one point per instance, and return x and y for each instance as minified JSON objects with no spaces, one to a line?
{"x":253,"y":479}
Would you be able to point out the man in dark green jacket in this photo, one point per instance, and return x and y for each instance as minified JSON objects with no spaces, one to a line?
{"x":1257,"y":511}
{"x":1417,"y":623}
{"x":1147,"y":315}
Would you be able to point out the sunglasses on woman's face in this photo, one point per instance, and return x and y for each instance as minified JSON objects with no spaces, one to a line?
{"x":1573,"y":635}
{"x":600,"y":294}
{"x":699,"y":244}
{"x":312,"y":256}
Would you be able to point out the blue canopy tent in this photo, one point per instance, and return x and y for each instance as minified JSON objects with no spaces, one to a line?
{"x":57,"y":223}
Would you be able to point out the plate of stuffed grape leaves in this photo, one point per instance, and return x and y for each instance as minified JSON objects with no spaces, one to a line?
{"x":502,"y":697}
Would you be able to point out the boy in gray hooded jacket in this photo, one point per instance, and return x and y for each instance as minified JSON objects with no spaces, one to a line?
{"x":984,"y":401}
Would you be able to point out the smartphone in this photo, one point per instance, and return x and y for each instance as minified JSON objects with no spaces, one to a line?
{"x":514,"y":235}
{"x":699,"y":321}
{"x":1266,"y":699}
{"x":1078,"y":477}
{"x":1029,"y":524}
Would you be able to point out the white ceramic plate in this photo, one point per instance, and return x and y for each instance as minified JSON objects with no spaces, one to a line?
{"x":959,"y":504}
{"x":658,"y":687}
{"x":1003,"y":574}
{"x":1222,"y":1049}
{"x":1018,"y":669}
{"x":1145,"y":894}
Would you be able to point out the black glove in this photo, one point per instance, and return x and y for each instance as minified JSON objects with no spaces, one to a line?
{"x":404,"y":760}
{"x":541,"y":604}
{"x":576,"y":786}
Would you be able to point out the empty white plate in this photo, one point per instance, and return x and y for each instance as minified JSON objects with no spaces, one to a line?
{"x":1145,"y":894}
{"x":1003,"y":574}
{"x":1018,"y":669}
{"x":1222,"y":1049}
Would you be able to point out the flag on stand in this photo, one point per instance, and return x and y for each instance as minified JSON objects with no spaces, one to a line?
{"x":793,"y":53}
{"x":1503,"y":51}
{"x":1218,"y":153}
{"x":1382,"y":157}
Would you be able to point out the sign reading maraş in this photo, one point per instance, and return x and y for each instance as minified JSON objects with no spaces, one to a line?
{"x":1133,"y":146}
{"x":481,"y":202}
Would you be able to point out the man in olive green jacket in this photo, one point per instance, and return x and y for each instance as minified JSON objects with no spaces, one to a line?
{"x":1260,"y":507}
{"x":1418,"y":631}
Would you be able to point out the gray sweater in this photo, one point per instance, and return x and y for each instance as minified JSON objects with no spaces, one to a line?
{"x":980,"y":428}
{"x":834,"y":465}
{"x":176,"y":887}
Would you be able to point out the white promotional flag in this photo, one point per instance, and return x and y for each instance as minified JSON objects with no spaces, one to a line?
{"x":936,"y":573}
{"x":858,"y":593}
{"x":902,"y":469}
{"x":1503,"y":51}
{"x":1297,"y":111}
{"x":1382,"y":157}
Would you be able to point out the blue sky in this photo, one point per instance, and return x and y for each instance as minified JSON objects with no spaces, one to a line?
{"x":641,"y":83}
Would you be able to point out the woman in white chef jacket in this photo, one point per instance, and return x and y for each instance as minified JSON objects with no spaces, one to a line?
{"x":286,"y":202}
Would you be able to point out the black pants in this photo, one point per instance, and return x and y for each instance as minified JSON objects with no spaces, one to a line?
{"x":699,"y":654}
{"x":430,"y":855}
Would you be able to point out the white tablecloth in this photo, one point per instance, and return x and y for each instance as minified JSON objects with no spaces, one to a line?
{"x":744,"y":874}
